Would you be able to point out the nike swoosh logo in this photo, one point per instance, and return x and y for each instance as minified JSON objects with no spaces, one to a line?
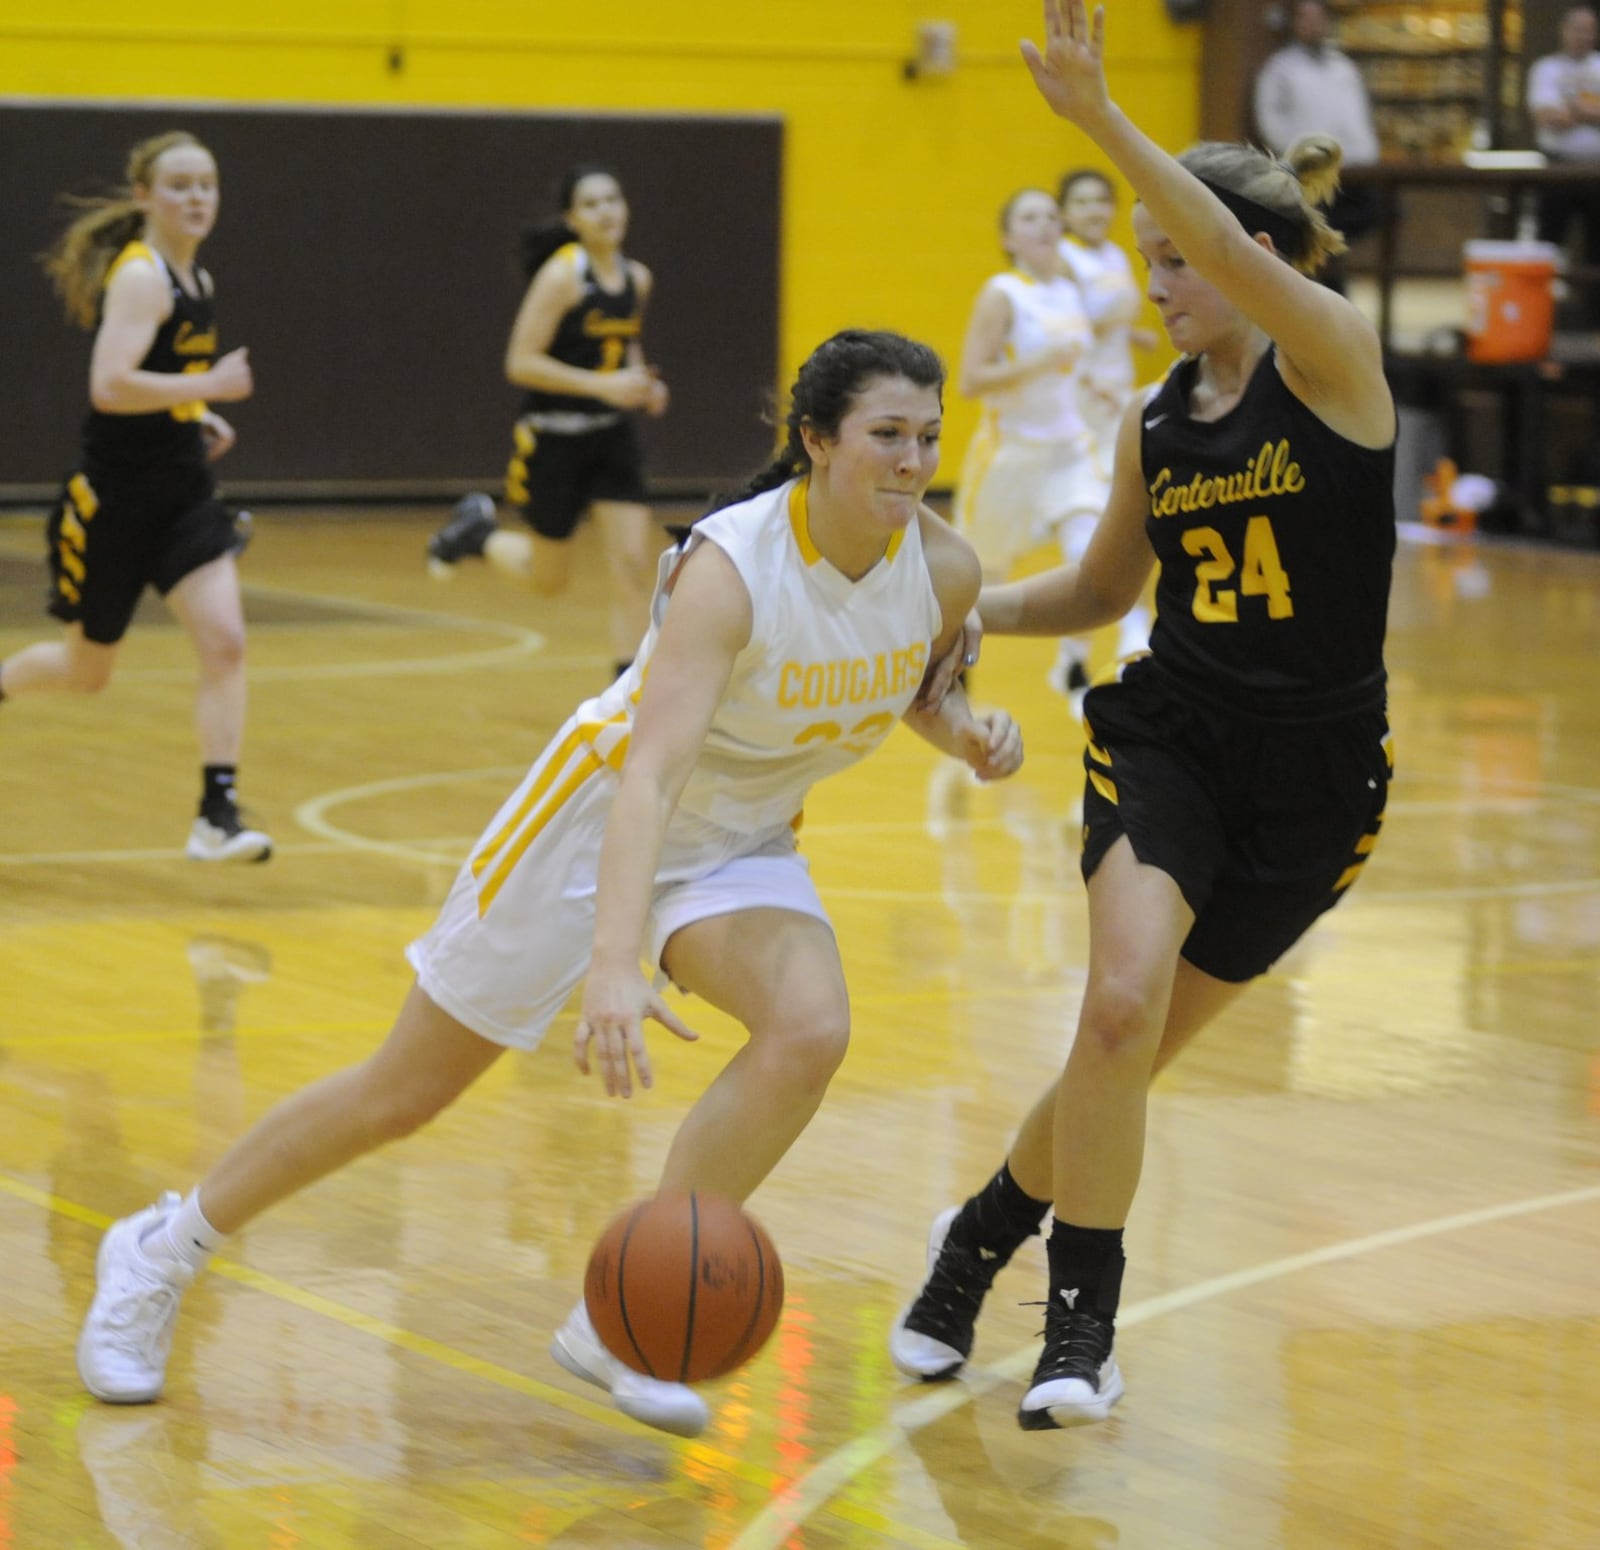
{"x":1150,"y":425}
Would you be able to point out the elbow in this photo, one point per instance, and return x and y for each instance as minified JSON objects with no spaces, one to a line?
{"x":106,"y":394}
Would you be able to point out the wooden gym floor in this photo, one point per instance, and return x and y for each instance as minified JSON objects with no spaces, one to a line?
{"x":1363,"y":1302}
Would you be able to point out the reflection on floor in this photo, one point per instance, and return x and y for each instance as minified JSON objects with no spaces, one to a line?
{"x":1360,"y":1306}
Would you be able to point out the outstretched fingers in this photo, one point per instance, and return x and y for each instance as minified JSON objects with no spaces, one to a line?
{"x":616,"y":1044}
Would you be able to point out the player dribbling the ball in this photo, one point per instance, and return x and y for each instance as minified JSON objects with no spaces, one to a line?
{"x":789,"y":633}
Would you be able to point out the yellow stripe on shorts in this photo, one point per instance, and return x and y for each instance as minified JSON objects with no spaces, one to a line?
{"x":555,"y":786}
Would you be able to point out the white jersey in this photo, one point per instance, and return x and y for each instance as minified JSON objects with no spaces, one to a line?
{"x":831,"y":665}
{"x":1111,"y":298}
{"x":1043,"y":406}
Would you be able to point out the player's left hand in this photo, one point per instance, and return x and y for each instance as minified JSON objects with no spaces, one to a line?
{"x":217,"y":434}
{"x":1070,"y":70}
{"x":992,"y":745}
{"x":660,"y":397}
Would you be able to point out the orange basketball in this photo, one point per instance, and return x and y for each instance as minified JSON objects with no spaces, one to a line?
{"x":684,"y":1287}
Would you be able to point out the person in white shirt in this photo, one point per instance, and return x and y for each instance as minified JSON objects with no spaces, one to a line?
{"x":1111,"y":296}
{"x":1311,"y":87}
{"x":1031,"y":476}
{"x":1564,"y":104}
{"x":789,"y":633}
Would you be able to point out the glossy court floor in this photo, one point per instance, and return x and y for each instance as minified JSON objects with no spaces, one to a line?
{"x":1363,"y":1302}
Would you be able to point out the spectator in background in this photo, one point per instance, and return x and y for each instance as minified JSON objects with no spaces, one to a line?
{"x":1310,"y":87}
{"x":1564,"y":103}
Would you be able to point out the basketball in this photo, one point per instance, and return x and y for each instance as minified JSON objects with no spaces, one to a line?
{"x":684,"y":1287}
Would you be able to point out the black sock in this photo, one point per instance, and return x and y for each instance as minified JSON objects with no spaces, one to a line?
{"x":1001,"y":1217}
{"x":217,"y":795}
{"x":1086,"y":1262}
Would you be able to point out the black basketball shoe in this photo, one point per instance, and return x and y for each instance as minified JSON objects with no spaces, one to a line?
{"x":1077,"y":1380}
{"x":932,"y":1338}
{"x":465,"y":534}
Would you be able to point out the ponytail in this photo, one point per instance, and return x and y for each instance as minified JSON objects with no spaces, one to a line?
{"x":77,"y":261}
{"x":543,"y":240}
{"x":541,"y":243}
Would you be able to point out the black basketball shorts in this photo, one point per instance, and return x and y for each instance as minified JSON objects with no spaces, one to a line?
{"x":1262,"y":826}
{"x":115,"y":532}
{"x":555,"y":477}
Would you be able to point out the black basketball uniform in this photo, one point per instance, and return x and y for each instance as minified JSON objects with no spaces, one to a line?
{"x":141,"y":508}
{"x":570,"y":450}
{"x":1248,"y":755}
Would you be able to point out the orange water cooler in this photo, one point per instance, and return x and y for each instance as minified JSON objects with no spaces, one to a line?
{"x":1510,"y":299}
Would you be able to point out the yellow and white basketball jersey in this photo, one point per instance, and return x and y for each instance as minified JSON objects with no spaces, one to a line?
{"x":831,"y":665}
{"x":1043,"y":406}
{"x":1111,"y":298}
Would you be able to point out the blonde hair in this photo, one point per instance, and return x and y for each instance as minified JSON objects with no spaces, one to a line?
{"x":1291,"y":187}
{"x":78,"y":259}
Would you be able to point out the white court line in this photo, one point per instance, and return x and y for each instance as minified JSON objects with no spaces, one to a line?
{"x":431,"y":851}
{"x":450,"y":849}
{"x":817,"y":1487}
{"x":523,"y":643}
{"x":312,"y":815}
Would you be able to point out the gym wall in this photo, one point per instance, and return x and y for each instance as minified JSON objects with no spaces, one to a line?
{"x":890,"y":186}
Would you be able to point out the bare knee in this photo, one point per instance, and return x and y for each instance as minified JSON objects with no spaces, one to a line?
{"x":89,"y":675}
{"x":221,"y":649}
{"x":805,"y":1049}
{"x":1120,"y":1021}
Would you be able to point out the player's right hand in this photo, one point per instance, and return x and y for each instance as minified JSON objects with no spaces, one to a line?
{"x":231,"y":379}
{"x":612,"y":1020}
{"x":629,"y":388}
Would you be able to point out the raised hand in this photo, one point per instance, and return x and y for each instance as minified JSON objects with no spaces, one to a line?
{"x":1070,"y":70}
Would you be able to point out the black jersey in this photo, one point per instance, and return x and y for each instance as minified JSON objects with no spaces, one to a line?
{"x":1276,"y":537}
{"x":186,"y":342}
{"x":594,"y":335}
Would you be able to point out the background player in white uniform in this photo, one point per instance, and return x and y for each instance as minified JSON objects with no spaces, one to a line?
{"x":1111,"y":296}
{"x":788,"y":636}
{"x":1030,"y":475}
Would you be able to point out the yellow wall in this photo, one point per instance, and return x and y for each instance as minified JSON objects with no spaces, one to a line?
{"x":892,"y":187}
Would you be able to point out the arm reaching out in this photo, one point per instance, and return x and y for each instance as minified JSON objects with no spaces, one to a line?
{"x":705,"y":628}
{"x":990,"y":742}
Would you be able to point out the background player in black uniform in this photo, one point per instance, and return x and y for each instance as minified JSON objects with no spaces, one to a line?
{"x":141,"y":509}
{"x":575,"y":347}
{"x":1236,"y":775}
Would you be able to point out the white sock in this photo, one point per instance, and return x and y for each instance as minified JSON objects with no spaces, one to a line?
{"x":511,"y":550}
{"x":187,"y":1236}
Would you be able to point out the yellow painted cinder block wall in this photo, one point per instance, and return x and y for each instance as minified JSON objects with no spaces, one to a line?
{"x":892,"y":186}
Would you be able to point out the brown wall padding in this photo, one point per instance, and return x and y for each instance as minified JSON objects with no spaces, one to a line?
{"x":368,"y":261}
